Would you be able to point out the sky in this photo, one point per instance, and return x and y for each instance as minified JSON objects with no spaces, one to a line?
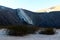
{"x":29,"y":4}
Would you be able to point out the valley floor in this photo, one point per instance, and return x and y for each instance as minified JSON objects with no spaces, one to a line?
{"x":56,"y":36}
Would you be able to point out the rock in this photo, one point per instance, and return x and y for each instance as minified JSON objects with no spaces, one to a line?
{"x":21,"y":30}
{"x":48,"y":31}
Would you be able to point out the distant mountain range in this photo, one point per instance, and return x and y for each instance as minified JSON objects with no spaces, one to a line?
{"x":54,"y":8}
{"x":9,"y":16}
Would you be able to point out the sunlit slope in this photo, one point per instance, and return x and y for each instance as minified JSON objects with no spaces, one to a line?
{"x":54,"y":8}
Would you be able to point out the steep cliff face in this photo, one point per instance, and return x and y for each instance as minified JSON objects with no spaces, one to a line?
{"x":8,"y":16}
{"x":44,"y":19}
